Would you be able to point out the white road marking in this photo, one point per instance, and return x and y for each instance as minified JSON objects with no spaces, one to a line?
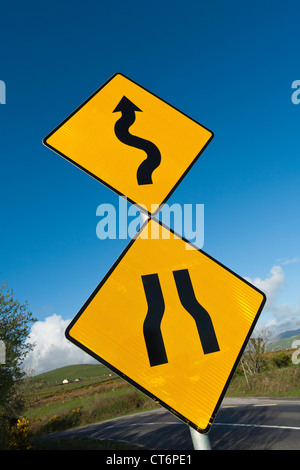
{"x":297,"y":428}
{"x":267,"y":404}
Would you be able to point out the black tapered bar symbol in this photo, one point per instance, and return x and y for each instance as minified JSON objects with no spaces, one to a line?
{"x":200,"y":315}
{"x":152,"y":333}
{"x":146,"y":168}
{"x":156,"y":308}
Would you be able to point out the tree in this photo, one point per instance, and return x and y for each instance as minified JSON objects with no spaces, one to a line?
{"x":253,"y":360}
{"x":282,"y":359}
{"x":15,"y":319}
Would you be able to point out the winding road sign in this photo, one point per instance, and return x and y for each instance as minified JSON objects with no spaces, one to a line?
{"x":132,"y":141}
{"x":172,"y":321}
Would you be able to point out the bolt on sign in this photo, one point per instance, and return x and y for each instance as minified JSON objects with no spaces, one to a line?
{"x":132,"y":141}
{"x":167,"y":317}
{"x":171,"y":321}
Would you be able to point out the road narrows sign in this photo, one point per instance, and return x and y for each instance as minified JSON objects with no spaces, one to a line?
{"x":172,"y":321}
{"x":132,"y":141}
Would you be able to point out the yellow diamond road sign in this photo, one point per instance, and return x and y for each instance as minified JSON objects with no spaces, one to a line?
{"x":132,"y":141}
{"x":172,"y":321}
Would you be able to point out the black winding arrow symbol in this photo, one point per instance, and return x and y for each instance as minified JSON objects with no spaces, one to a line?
{"x":145,"y":170}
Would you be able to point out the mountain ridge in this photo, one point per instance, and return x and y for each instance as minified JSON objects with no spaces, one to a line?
{"x":286,"y":334}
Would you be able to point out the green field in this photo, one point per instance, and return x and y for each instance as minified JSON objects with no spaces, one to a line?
{"x":101,"y":394}
{"x":83,"y":371}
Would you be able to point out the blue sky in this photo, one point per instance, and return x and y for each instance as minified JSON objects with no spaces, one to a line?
{"x":229,"y":65}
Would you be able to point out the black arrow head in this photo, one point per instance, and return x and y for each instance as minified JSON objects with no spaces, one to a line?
{"x":126,"y":105}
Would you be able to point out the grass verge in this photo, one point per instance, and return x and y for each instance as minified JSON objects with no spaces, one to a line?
{"x":284,"y":382}
{"x":99,"y":408}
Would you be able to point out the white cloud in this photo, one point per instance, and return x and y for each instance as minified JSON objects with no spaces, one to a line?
{"x":271,"y":285}
{"x":277,"y":317}
{"x":52,"y":349}
{"x":280,"y":324}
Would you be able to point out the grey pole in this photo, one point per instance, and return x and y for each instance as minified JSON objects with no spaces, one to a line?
{"x":2,"y":352}
{"x":200,"y":441}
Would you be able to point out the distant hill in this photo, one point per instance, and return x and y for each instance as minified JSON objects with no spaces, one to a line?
{"x":283,"y":341}
{"x":288,"y":334}
{"x":82,"y":371}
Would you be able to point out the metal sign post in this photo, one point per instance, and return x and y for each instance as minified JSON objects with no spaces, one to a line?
{"x":200,"y":441}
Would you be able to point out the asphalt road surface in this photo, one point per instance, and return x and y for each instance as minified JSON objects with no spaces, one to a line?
{"x":241,"y":424}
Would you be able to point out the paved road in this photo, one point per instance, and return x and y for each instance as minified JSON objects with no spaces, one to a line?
{"x":241,"y":424}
